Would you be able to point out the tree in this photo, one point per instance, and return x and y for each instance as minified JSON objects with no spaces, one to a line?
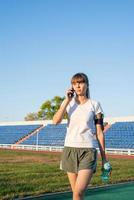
{"x":31,"y":117}
{"x":47,"y":109}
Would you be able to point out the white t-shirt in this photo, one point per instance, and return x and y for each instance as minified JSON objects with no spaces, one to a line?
{"x":81,"y":128}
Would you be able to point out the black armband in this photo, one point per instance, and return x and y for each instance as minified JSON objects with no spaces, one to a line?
{"x":99,"y":122}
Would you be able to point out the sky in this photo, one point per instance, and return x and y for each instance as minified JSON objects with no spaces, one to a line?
{"x":43,"y":43}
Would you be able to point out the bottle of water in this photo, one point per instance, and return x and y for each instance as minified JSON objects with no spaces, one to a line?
{"x":107,"y":168}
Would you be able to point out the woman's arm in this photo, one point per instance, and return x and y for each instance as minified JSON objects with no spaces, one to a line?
{"x":101,"y":142}
{"x":100,"y":136}
{"x":57,"y":118}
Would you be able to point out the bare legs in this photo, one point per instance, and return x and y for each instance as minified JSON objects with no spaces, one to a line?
{"x":79,"y":182}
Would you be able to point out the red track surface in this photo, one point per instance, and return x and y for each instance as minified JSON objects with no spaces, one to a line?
{"x":58,"y":153}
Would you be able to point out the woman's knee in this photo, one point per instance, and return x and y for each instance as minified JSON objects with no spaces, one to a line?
{"x":78,"y":193}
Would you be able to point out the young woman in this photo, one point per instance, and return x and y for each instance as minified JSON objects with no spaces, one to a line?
{"x":79,"y":155}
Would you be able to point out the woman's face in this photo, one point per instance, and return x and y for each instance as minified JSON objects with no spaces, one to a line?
{"x":80,"y":87}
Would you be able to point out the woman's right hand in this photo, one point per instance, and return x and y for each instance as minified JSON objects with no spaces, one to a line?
{"x":70,"y":94}
{"x":57,"y":118}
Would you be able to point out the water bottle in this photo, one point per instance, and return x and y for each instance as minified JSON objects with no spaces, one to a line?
{"x":106,"y":170}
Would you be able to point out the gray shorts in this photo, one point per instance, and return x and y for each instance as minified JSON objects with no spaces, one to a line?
{"x":75,"y":159}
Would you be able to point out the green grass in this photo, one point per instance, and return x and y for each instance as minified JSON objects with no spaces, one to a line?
{"x":25,"y":173}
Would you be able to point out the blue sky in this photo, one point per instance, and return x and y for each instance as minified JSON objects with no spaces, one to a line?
{"x":44,"y":42}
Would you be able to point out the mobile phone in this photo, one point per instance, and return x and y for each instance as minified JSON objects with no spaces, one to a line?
{"x":71,"y":94}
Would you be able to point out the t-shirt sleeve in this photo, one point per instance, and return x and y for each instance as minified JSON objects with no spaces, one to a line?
{"x":98,"y":108}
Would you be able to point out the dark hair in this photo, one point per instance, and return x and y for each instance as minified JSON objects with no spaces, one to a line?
{"x":81,"y":77}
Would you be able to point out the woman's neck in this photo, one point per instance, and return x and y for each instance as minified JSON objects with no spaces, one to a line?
{"x":81,"y":99}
